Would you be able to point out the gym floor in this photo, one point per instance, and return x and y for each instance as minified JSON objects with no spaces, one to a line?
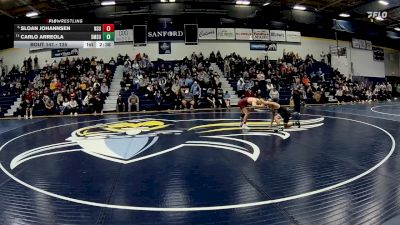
{"x":340,"y":167}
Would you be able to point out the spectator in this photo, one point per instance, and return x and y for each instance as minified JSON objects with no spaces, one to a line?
{"x":104,"y":91}
{"x":188,"y":100}
{"x":305,"y":80}
{"x":73,"y":106}
{"x":49,"y":105}
{"x":240,"y":87}
{"x":195,"y":89}
{"x":274,"y":94}
{"x":339,"y":95}
{"x":398,"y":89}
{"x":270,"y":86}
{"x":28,"y":106}
{"x":133,"y":102}
{"x":120,"y":104}
{"x":159,"y":100}
{"x":389,"y":89}
{"x":211,"y":97}
{"x":98,"y":104}
{"x":36,"y":63}
{"x":227,"y":99}
{"x":320,"y":74}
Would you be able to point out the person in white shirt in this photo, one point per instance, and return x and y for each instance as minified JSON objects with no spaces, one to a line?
{"x":104,"y":90}
{"x":227,"y":99}
{"x":339,"y":94}
{"x":269,"y":85}
{"x":73,"y":107}
{"x":389,"y":89}
{"x":274,"y":94}
{"x":240,"y":87}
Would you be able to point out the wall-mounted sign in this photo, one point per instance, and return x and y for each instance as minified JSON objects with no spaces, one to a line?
{"x":263,"y":46}
{"x":64,"y":52}
{"x":164,"y":47}
{"x":361,"y":44}
{"x":261,"y":35}
{"x":226,"y":33}
{"x":243,"y":34}
{"x":378,"y":53}
{"x":165,"y":32}
{"x":355,"y":43}
{"x":277,"y":35}
{"x":207,"y":33}
{"x":293,"y":36}
{"x":368,"y":45}
{"x":123,"y":35}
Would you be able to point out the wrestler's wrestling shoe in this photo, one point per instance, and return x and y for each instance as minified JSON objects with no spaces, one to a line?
{"x":245,"y":127}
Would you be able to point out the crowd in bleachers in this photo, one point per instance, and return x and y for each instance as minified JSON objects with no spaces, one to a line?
{"x":186,"y":84}
{"x":320,"y":83}
{"x":80,"y":85}
{"x":67,"y":86}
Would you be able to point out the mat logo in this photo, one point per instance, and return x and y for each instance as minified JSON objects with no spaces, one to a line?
{"x":136,"y":140}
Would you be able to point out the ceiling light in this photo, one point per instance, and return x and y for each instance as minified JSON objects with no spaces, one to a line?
{"x":267,"y":3}
{"x":299,"y":7}
{"x":397,"y":28}
{"x":31,"y":14}
{"x":344,"y":15}
{"x":163,"y":0}
{"x":384,"y":2}
{"x":379,"y":18}
{"x":171,"y":0}
{"x":105,"y":3}
{"x":243,"y":2}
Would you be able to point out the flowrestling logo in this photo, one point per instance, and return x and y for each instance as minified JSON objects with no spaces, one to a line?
{"x":377,"y":15}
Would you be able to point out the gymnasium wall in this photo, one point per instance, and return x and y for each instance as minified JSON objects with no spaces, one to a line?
{"x":392,"y":62}
{"x":363,"y":61}
{"x":364,"y":64}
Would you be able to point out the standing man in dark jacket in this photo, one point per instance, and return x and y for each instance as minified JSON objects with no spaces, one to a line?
{"x":297,"y":92}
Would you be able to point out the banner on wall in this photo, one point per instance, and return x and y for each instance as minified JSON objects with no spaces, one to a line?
{"x":277,"y":35}
{"x":243,"y":34}
{"x":361,"y":44}
{"x":293,"y":36}
{"x":355,"y":43}
{"x":368,"y":45}
{"x":338,"y":51}
{"x":207,"y":33}
{"x":260,"y":35}
{"x":123,"y":36}
{"x":165,"y":32}
{"x":55,"y":53}
{"x":164,"y":47}
{"x":226,"y":33}
{"x":263,"y":46}
{"x":378,"y":54}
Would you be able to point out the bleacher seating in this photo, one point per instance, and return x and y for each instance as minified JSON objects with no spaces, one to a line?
{"x":6,"y":102}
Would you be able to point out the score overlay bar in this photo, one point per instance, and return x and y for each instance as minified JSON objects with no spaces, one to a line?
{"x":38,"y":28}
{"x":63,"y":44}
{"x":64,"y":36}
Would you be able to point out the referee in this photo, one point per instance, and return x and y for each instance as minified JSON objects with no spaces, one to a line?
{"x":297,"y":92}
